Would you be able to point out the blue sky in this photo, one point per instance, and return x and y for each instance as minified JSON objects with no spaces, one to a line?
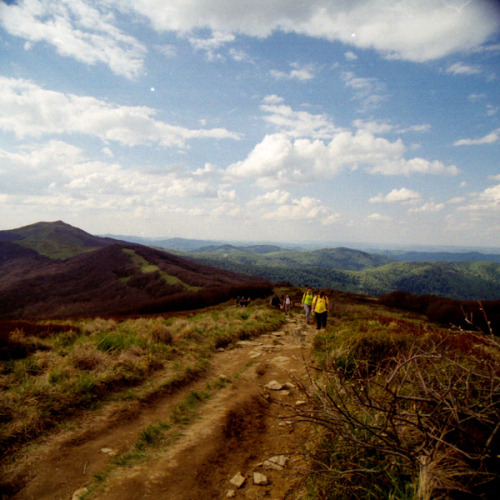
{"x":371,"y":121}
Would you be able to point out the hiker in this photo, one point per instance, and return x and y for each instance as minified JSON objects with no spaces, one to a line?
{"x":275,"y":302}
{"x":320,"y":308}
{"x":288,"y":303}
{"x":307,"y":300}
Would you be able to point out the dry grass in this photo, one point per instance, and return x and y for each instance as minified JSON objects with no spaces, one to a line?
{"x":82,"y":368}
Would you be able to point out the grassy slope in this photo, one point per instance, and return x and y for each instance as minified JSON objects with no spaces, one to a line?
{"x":54,"y":371}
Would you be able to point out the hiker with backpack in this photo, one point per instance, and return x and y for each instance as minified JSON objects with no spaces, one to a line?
{"x":320,"y":308}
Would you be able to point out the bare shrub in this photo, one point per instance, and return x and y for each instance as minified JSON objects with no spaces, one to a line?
{"x":428,"y":421}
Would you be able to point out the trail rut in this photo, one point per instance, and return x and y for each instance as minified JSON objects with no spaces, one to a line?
{"x":237,"y":429}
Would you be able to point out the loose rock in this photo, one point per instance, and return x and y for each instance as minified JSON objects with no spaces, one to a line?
{"x":237,"y":480}
{"x":259,"y":479}
{"x":274,"y":386}
{"x":78,"y":494}
{"x":277,"y":462}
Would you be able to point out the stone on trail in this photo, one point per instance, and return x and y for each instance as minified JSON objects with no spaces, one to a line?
{"x":259,"y":479}
{"x":79,"y":494}
{"x":274,"y":386}
{"x":237,"y":480}
{"x":277,"y":462}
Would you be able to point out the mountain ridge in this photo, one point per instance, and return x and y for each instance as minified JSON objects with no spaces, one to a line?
{"x":55,"y":270}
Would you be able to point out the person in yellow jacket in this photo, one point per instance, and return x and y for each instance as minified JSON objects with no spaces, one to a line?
{"x":307,"y":300}
{"x":320,"y":308}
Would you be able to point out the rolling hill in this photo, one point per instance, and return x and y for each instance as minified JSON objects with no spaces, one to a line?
{"x":356,"y":271}
{"x":56,"y":270}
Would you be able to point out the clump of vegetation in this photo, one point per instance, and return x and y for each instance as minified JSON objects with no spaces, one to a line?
{"x":69,"y":369}
{"x":403,"y":410}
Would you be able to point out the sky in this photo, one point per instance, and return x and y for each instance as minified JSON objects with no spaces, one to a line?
{"x":372,"y":121}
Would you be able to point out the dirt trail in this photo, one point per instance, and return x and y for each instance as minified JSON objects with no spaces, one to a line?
{"x":237,"y":430}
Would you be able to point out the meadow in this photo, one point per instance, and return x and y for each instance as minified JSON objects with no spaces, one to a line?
{"x":397,"y":407}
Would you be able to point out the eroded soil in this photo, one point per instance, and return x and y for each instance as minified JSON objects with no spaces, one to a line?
{"x":237,"y":429}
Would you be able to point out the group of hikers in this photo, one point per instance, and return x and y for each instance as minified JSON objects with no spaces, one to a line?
{"x":311,"y":303}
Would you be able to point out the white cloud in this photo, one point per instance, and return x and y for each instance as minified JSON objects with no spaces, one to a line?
{"x":476,"y":97}
{"x":402,"y":166}
{"x":491,"y":138}
{"x":403,"y":195}
{"x":421,"y":129}
{"x":78,"y":29}
{"x":169,"y":51}
{"x":29,"y":110}
{"x":370,"y":92}
{"x":418,"y":31}
{"x":60,"y":176}
{"x":305,"y":208}
{"x":429,"y":207}
{"x":460,"y":68}
{"x":486,"y":203}
{"x":276,"y":197}
{"x":415,"y":31}
{"x":350,"y":56}
{"x":212,"y":44}
{"x":373,"y":127}
{"x":379,"y":217}
{"x":296,"y":123}
{"x":279,"y":160}
{"x":492,"y":110}
{"x":299,"y":72}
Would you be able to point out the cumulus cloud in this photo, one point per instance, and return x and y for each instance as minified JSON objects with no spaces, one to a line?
{"x":60,"y":175}
{"x":29,"y":110}
{"x":276,"y":197}
{"x":486,"y":203}
{"x":282,"y":159}
{"x":418,"y":31}
{"x":491,"y":138}
{"x":298,"y":72}
{"x":79,"y":29}
{"x":415,"y":31}
{"x":403,"y":195}
{"x":305,"y":208}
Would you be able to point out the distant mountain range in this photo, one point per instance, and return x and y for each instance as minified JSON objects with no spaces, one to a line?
{"x":461,"y":275}
{"x":51,"y":269}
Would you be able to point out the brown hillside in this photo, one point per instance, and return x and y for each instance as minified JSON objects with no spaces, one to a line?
{"x":118,"y":278}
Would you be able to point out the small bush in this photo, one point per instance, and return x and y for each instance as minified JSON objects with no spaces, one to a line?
{"x":162,"y":334}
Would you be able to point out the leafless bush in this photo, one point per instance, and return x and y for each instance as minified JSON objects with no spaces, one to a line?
{"x":431,"y":418}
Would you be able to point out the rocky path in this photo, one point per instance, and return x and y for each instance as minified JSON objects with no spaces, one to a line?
{"x":242,"y":444}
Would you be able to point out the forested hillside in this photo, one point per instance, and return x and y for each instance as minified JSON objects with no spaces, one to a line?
{"x":356,"y":271}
